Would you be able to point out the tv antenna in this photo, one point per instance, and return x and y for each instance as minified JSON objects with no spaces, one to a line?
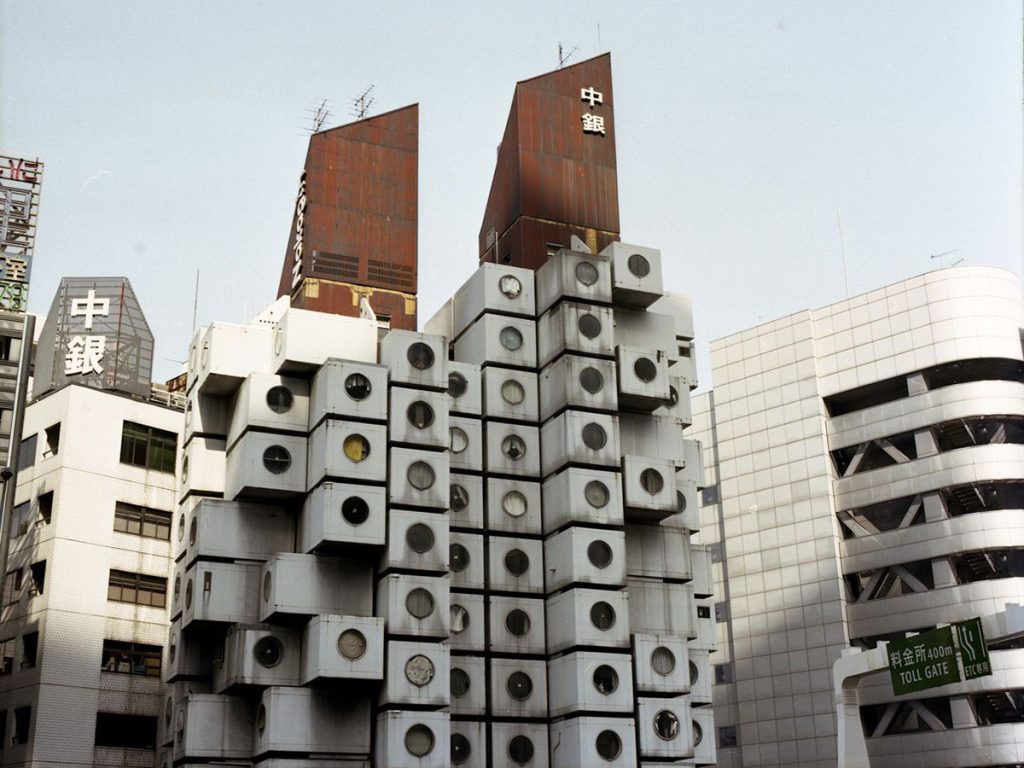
{"x":361,"y":104}
{"x":946,"y":253}
{"x":318,"y":116}
{"x":564,"y":57}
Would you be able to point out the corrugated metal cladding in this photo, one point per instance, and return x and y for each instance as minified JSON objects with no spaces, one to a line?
{"x":360,"y":217}
{"x":554,"y":178}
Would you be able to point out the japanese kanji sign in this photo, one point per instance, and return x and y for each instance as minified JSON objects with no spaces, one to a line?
{"x":973,"y":651}
{"x":20,"y":180}
{"x":592,"y":123}
{"x":85,"y":352}
{"x":923,"y":661}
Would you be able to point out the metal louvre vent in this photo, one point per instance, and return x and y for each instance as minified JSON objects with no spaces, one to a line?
{"x":390,"y":275}
{"x":334,"y":265}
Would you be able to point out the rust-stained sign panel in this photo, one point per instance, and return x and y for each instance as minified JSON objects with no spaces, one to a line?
{"x":20,"y":182}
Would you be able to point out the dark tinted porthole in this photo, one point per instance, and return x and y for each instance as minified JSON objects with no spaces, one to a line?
{"x":420,"y":414}
{"x":457,"y":384}
{"x":268,"y":581}
{"x":591,"y":380}
{"x":461,"y":749}
{"x":459,"y":682}
{"x":609,"y":745}
{"x":419,"y":537}
{"x":355,"y":510}
{"x":602,"y":616}
{"x":458,"y":557}
{"x":694,"y":672}
{"x":517,"y":622}
{"x":356,"y":448}
{"x":268,"y":651}
{"x":606,"y":679}
{"x":666,"y":725}
{"x":357,"y":386}
{"x":193,"y":530}
{"x":698,"y":733}
{"x":680,"y":501}
{"x":638,"y":265}
{"x":261,"y":719}
{"x":420,"y":356}
{"x":419,"y":740}
{"x":181,"y":528}
{"x":596,"y":493}
{"x":645,"y":369}
{"x":280,"y":399}
{"x":276,"y":459}
{"x":177,"y":587}
{"x":517,"y":562}
{"x":519,"y":686}
{"x":599,"y":554}
{"x":651,"y":481}
{"x":589,"y":326}
{"x":673,"y":396}
{"x":514,"y":447}
{"x":420,"y":475}
{"x":458,"y":496}
{"x":188,"y":593}
{"x":594,"y":436}
{"x":419,"y":603}
{"x":520,"y":750}
{"x":586,"y":273}
{"x":663,"y":661}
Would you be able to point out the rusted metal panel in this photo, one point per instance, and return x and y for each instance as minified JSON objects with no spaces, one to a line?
{"x":343,"y":299}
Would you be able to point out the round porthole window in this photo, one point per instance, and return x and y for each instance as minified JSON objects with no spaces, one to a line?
{"x":277,"y":459}
{"x":188,"y":594}
{"x":698,"y":733}
{"x":169,"y":711}
{"x":458,"y":440}
{"x":651,"y":481}
{"x":645,"y":369}
{"x":188,"y":413}
{"x":589,"y":326}
{"x":420,"y":356}
{"x":355,"y":511}
{"x":599,"y":554}
{"x":517,"y":562}
{"x":694,"y":672}
{"x":514,"y":447}
{"x":181,"y":528}
{"x":420,"y":414}
{"x":666,"y":725}
{"x":458,"y":557}
{"x":458,"y":497}
{"x":609,"y":745}
{"x":459,"y":619}
{"x":680,"y":501}
{"x":520,"y":750}
{"x":606,"y":679}
{"x":352,"y":644}
{"x":177,"y":587}
{"x":586,"y":272}
{"x":268,"y":581}
{"x":193,"y":530}
{"x":204,"y":356}
{"x":172,"y":648}
{"x":280,"y":399}
{"x":591,"y":380}
{"x":419,"y":740}
{"x":457,"y":384}
{"x":510,"y":338}
{"x":517,"y":622}
{"x":596,"y":493}
{"x":420,"y":475}
{"x":419,"y":537}
{"x":519,"y":686}
{"x":268,"y":651}
{"x":638,"y":265}
{"x":357,"y":386}
{"x":602,"y":616}
{"x":419,"y":670}
{"x":594,"y":436}
{"x":278,"y":341}
{"x":184,"y":469}
{"x":356,"y":448}
{"x":510,"y":286}
{"x":459,"y":682}
{"x":673,"y":396}
{"x":460,"y":748}
{"x":513,"y":504}
{"x":663,"y":661}
{"x":419,"y":603}
{"x":512,"y":392}
{"x":261,"y":719}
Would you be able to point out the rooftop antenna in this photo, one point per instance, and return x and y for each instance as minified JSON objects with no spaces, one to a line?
{"x":946,"y":253}
{"x":361,"y":104}
{"x":318,"y":117}
{"x":195,"y":303}
{"x":842,"y":253}
{"x":564,"y":57}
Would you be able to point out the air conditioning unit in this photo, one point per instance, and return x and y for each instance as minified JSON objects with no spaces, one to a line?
{"x":515,"y":625}
{"x":293,"y":586}
{"x":515,"y":565}
{"x":583,"y":329}
{"x":469,"y":743}
{"x":707,"y":632}
{"x":418,"y":674}
{"x":468,"y":622}
{"x":466,"y":444}
{"x":412,"y":740}
{"x":212,"y":727}
{"x":587,"y":681}
{"x":700,"y":676}
{"x":413,"y":605}
{"x":418,"y":417}
{"x":203,"y":468}
{"x":643,"y":378}
{"x":644,"y":330}
{"x":206,"y":416}
{"x":418,"y":478}
{"x":189,"y":657}
{"x":221,"y":592}
{"x":173,"y":695}
{"x":468,"y":686}
{"x":578,"y":495}
{"x":510,"y":394}
{"x":664,"y":728}
{"x":662,"y":665}
{"x":227,"y":354}
{"x":343,"y":389}
{"x":648,"y":488}
{"x":307,"y":720}
{"x":338,"y":516}
{"x":269,"y":402}
{"x":266,"y":465}
{"x":512,"y":449}
{"x":575,"y":275}
{"x":703,"y":585}
{"x":604,"y":741}
{"x":513,"y":506}
{"x":495,"y":288}
{"x":644,"y":435}
{"x":636,"y":274}
{"x":587,"y":617}
{"x":658,"y":552}
{"x":465,"y":389}
{"x":417,"y":541}
{"x":343,"y":648}
{"x":679,"y":405}
{"x":498,"y":340}
{"x":304,"y":340}
{"x":466,"y":502}
{"x":587,"y":556}
{"x":466,"y":560}
{"x":662,"y":608}
{"x":416,"y":359}
{"x":519,"y":744}
{"x":519,"y":688}
{"x":705,"y":750}
{"x":233,"y":530}
{"x":579,"y":437}
{"x":575,"y":381}
{"x":257,"y":656}
{"x":352,"y":451}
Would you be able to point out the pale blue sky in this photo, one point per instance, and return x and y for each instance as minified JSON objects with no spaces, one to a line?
{"x":171,"y":136}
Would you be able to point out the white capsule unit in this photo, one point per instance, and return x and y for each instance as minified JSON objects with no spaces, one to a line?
{"x":418,"y":417}
{"x":203,"y":467}
{"x":468,"y":621}
{"x":693,"y":463}
{"x":176,"y":603}
{"x":579,"y":438}
{"x":687,"y":505}
{"x":266,"y":465}
{"x":336,"y":647}
{"x":466,"y":560}
{"x":699,"y":670}
{"x":173,"y":695}
{"x":514,"y":506}
{"x":412,"y":740}
{"x":233,"y":530}
{"x":257,"y":656}
{"x":227,"y":354}
{"x":584,"y":556}
{"x":706,"y":635}
{"x":268,"y":402}
{"x":495,"y":288}
{"x":338,"y":516}
{"x":417,"y":674}
{"x":645,"y":330}
{"x":658,"y":552}
{"x":499,"y":340}
{"x":351,"y":451}
{"x":587,"y":681}
{"x":416,"y":359}
{"x":585,"y":277}
{"x":679,"y":405}
{"x":703,"y":585}
{"x":519,"y":744}
{"x":206,"y":416}
{"x":581,"y":495}
{"x":510,"y":394}
{"x":648,"y":488}
{"x":468,"y":686}
{"x":519,"y":688}
{"x":414,"y":605}
{"x":515,"y":625}
{"x":643,"y":378}
{"x":645,"y":435}
{"x":662,"y":665}
{"x":304,"y":340}
{"x":583,"y":329}
{"x":636,"y":274}
{"x":587,"y":617}
{"x":349,"y":390}
{"x":416,"y":541}
{"x":466,"y":444}
{"x":465,"y":389}
{"x":664,"y":728}
{"x":293,"y":586}
{"x":469,"y":743}
{"x":603,"y":741}
{"x":704,"y":747}
{"x":187,"y":660}
{"x":220,"y":592}
{"x":512,"y":449}
{"x":465,"y":501}
{"x":308,"y":720}
{"x":418,"y":478}
{"x":212,"y":727}
{"x":662,"y":608}
{"x":577,"y":381}
{"x":515,"y":565}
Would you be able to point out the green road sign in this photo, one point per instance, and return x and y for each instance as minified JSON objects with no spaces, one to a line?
{"x":924,"y":661}
{"x":973,"y":651}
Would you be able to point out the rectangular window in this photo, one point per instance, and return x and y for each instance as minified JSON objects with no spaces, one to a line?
{"x":137,"y":588}
{"x":38,"y":572}
{"x":125,"y":731}
{"x":29,"y":649}
{"x":723,"y":673}
{"x":709,"y":495}
{"x":7,"y":656}
{"x":27,"y":452}
{"x":703,"y":612}
{"x":52,"y":436}
{"x":131,"y":658}
{"x":727,"y":737}
{"x":715,"y":550}
{"x":10,"y":348}
{"x":142,"y":521}
{"x":3,"y":728}
{"x":148,"y":447}
{"x":721,"y":611}
{"x":12,"y":587}
{"x":22,"y":719}
{"x":19,"y":519}
{"x":46,"y":507}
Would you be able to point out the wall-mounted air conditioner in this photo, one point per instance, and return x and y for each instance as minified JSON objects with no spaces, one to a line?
{"x":583,"y":329}
{"x":412,"y":740}
{"x":414,"y":605}
{"x":206,"y":416}
{"x":513,"y":506}
{"x":212,"y":727}
{"x":705,"y":750}
{"x":343,"y":389}
{"x":662,"y":665}
{"x":515,"y":625}
{"x":292,"y":586}
{"x":304,"y":340}
{"x":499,"y":340}
{"x":587,"y":617}
{"x":257,"y":656}
{"x":603,"y":741}
{"x":418,"y":478}
{"x":418,"y":417}
{"x":269,"y":402}
{"x":338,"y":647}
{"x":662,"y":608}
{"x":519,"y":688}
{"x":417,"y":674}
{"x":234,"y":530}
{"x":584,"y":556}
{"x":417,"y":541}
{"x":578,"y":495}
{"x":510,"y":394}
{"x":664,"y":728}
{"x":173,"y":695}
{"x":352,"y":451}
{"x":465,"y":501}
{"x":643,"y":378}
{"x":658,"y":552}
{"x":648,"y":488}
{"x":574,"y":275}
{"x":465,"y":390}
{"x":468,"y":621}
{"x":469,"y":743}
{"x":587,"y":681}
{"x":309,"y":720}
{"x":266,"y":465}
{"x":468,"y":686}
{"x":220,"y":592}
{"x":337,"y":516}
{"x":203,"y":468}
{"x":466,"y":560}
{"x":576,"y":381}
{"x":519,"y":744}
{"x":416,"y":359}
{"x":227,"y":354}
{"x":512,"y":449}
{"x":636,"y":274}
{"x":466,"y":444}
{"x":580,"y":438}
{"x":493,"y":288}
{"x":700,"y":676}
{"x":515,"y":565}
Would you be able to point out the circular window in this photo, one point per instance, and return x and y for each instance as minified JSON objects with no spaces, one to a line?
{"x":277,"y":459}
{"x":352,"y":644}
{"x":458,"y":557}
{"x":599,"y":553}
{"x":420,"y":356}
{"x":512,"y":392}
{"x":458,"y":496}
{"x":513,"y":504}
{"x":594,"y":436}
{"x":169,"y":710}
{"x":459,"y":682}
{"x":280,"y":399}
{"x":673,"y":396}
{"x":419,"y":739}
{"x":268,"y":651}
{"x":267,"y":583}
{"x":193,"y":530}
{"x":609,"y":745}
{"x":460,"y":748}
{"x":419,"y":603}
{"x":666,"y":725}
{"x":204,"y":357}
{"x":355,"y":510}
{"x":519,"y":686}
{"x":698,"y":733}
{"x":520,"y":749}
{"x":172,"y":648}
{"x":184,"y":469}
{"x":645,"y":369}
{"x":177,"y":587}
{"x":510,"y":286}
{"x":420,"y":414}
{"x":602,"y":616}
{"x":517,"y":562}
{"x":663,"y":661}
{"x":458,"y":439}
{"x":188,"y":413}
{"x":459,"y":619}
{"x":651,"y":481}
{"x":457,"y":384}
{"x":510,"y":338}
{"x":278,"y":341}
{"x":680,"y":501}
{"x":188,"y":594}
{"x":356,"y":448}
{"x":596,"y":493}
{"x":419,"y":537}
{"x":181,"y":528}
{"x":589,"y":326}
{"x":693,"y":673}
{"x":420,"y":475}
{"x":517,"y":622}
{"x":638,"y":265}
{"x":591,"y":380}
{"x":514,"y":447}
{"x":606,"y":679}
{"x":261,"y":719}
{"x":586,"y":273}
{"x":357,"y":386}
{"x":419,"y":670}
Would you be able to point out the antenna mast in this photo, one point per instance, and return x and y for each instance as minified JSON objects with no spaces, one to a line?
{"x":318,"y":117}
{"x":361,"y":104}
{"x":562,"y":58}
